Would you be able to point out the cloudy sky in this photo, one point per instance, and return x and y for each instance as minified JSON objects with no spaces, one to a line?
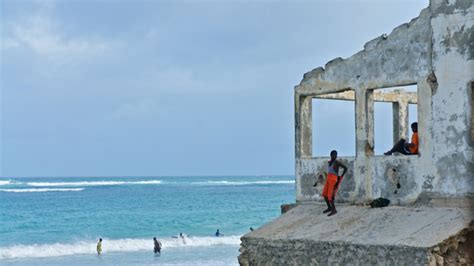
{"x":149,"y":88}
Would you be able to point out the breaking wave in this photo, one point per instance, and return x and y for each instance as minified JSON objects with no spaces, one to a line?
{"x":66,"y":185}
{"x":5,"y":182}
{"x":240,"y":183}
{"x":32,"y":190}
{"x":156,"y":182}
{"x":92,"y":183}
{"x":109,"y":245}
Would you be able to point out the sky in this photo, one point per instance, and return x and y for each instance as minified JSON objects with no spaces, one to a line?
{"x":155,"y":88}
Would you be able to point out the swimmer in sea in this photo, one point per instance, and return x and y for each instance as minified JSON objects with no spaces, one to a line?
{"x":99,"y":246}
{"x":157,"y":248}
{"x":183,"y":237}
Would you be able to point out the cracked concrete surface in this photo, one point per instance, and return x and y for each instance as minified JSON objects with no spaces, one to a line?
{"x":393,"y":235}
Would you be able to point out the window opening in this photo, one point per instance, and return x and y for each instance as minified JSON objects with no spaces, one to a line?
{"x":383,"y":127}
{"x":333,"y":126}
{"x":395,"y":109}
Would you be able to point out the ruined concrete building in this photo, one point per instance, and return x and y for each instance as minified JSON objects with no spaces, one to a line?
{"x":430,"y":220}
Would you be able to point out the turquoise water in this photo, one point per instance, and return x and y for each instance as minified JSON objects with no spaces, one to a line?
{"x":57,"y":221}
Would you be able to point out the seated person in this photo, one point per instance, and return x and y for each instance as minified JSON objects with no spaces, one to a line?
{"x":404,"y":147}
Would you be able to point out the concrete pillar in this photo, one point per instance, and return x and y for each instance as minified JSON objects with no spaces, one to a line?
{"x":370,"y":123}
{"x":472,"y":113}
{"x":364,"y":123}
{"x":400,"y":120}
{"x":396,"y":121}
{"x":303,"y":126}
{"x":404,"y":121}
{"x":425,"y":115}
{"x":364,"y":143}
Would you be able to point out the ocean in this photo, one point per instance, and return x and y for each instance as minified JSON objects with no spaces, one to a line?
{"x":57,"y":221}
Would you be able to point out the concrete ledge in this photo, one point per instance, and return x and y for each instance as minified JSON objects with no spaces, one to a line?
{"x":434,"y":200}
{"x":363,"y":236}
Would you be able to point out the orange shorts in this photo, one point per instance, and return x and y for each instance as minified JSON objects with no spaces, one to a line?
{"x":329,"y":190}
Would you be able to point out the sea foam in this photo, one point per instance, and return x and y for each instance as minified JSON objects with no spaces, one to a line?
{"x":156,"y":182}
{"x":33,"y":190}
{"x":110,"y":245}
{"x":5,"y":182}
{"x":92,"y":183}
{"x":240,"y":183}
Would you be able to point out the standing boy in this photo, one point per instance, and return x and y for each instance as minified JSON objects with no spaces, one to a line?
{"x":332,"y":182}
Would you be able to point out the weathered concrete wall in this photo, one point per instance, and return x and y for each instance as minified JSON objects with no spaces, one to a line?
{"x":400,"y":58}
{"x":301,"y":252}
{"x":313,"y":170}
{"x":397,"y":179}
{"x":452,"y":25}
{"x":434,"y":51}
{"x":472,"y":114}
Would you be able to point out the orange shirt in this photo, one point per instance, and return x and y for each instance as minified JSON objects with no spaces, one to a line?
{"x":414,"y":140}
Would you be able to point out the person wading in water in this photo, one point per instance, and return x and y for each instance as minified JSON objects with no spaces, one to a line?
{"x":99,"y":247}
{"x":157,"y":246}
{"x":332,"y":182}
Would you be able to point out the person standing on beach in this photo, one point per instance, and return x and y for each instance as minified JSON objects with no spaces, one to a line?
{"x":99,"y":247}
{"x":157,"y":248}
{"x":332,"y":182}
